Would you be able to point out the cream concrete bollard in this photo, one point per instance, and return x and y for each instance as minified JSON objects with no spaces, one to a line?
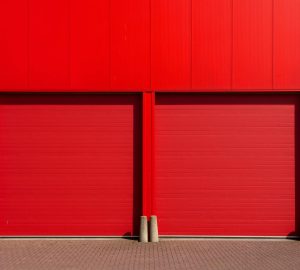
{"x":143,"y":229}
{"x":153,"y":229}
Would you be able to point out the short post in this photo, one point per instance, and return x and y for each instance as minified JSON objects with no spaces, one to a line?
{"x":153,"y":229}
{"x":143,"y":230}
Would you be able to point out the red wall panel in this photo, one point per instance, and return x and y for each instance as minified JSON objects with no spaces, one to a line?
{"x":49,"y":45}
{"x":287,"y":44}
{"x":13,"y":44}
{"x":171,"y":44}
{"x":211,"y":44}
{"x":90,"y":45}
{"x":130,"y":44}
{"x":252,"y":44}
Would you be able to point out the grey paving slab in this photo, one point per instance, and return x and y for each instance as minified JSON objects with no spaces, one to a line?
{"x":168,"y":254}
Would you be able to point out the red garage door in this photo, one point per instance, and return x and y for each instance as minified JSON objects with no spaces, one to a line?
{"x":68,"y":164}
{"x":225,"y":165}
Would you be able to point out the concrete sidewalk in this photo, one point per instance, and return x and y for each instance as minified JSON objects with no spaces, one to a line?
{"x":39,"y":254}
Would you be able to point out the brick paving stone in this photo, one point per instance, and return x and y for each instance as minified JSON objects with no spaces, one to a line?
{"x":89,"y":254}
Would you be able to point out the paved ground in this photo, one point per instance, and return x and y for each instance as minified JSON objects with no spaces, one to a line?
{"x":168,"y":254}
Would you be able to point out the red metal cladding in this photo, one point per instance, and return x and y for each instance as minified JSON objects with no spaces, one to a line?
{"x":13,"y":45}
{"x":211,"y":44}
{"x":130,"y":45}
{"x":225,"y":165}
{"x":49,"y":40}
{"x":161,"y":45}
{"x":171,"y":45}
{"x":252,"y":45}
{"x":286,"y":44}
{"x":90,"y":44}
{"x":69,"y":165}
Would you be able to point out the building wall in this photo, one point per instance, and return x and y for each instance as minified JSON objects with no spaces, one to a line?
{"x":142,"y":45}
{"x":152,"y":46}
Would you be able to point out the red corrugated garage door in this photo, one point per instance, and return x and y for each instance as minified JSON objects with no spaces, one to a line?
{"x":225,"y":165}
{"x":68,"y":164}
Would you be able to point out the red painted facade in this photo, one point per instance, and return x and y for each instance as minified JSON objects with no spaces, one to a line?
{"x":144,"y":48}
{"x":159,"y":45}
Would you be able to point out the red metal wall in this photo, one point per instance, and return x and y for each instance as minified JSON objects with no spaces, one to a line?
{"x":149,"y":45}
{"x":133,"y":45}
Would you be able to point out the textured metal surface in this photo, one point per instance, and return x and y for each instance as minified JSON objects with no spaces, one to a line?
{"x":69,"y":165}
{"x":225,"y":165}
{"x":131,"y":255}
